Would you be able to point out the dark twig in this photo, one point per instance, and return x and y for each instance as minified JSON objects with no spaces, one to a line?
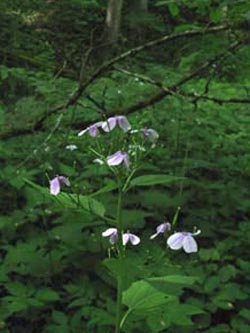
{"x":182,"y":94}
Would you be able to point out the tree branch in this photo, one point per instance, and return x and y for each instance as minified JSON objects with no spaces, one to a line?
{"x":174,"y":88}
{"x":181,"y":93}
{"x":38,"y":126}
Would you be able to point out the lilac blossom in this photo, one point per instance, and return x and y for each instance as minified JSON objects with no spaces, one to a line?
{"x":112,"y":233}
{"x":183,"y":240}
{"x":150,"y":134}
{"x":93,"y":130}
{"x":56,"y":183}
{"x":128,"y":237}
{"x":161,"y":229}
{"x":112,"y":122}
{"x":118,"y":158}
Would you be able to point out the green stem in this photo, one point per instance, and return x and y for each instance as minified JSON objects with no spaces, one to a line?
{"x":121,"y":256}
{"x":124,"y":318}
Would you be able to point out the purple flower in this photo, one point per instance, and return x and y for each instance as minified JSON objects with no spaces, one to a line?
{"x":111,"y":123}
{"x":161,"y":229}
{"x":112,"y":233}
{"x":56,"y":183}
{"x":118,"y":158}
{"x":150,"y":134}
{"x":92,"y":130}
{"x":183,"y":240}
{"x":128,"y":237}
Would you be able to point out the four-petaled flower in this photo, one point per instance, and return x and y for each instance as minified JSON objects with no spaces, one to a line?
{"x":111,"y":123}
{"x":150,"y":134}
{"x":183,"y":240}
{"x":118,"y":158}
{"x":93,"y":130}
{"x":112,"y":233}
{"x":128,"y":237}
{"x":161,"y":229}
{"x":56,"y":183}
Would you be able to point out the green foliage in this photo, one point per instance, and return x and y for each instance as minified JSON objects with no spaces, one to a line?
{"x":53,"y":275}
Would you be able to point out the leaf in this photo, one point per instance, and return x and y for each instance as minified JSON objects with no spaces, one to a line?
{"x":47,"y":295}
{"x":107,"y":188}
{"x":149,"y":180}
{"x":179,"y":279}
{"x":72,"y":200}
{"x":141,"y":295}
{"x":59,"y":317}
{"x":173,"y":8}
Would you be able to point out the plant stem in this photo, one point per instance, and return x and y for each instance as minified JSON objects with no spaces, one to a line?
{"x":120,"y":271}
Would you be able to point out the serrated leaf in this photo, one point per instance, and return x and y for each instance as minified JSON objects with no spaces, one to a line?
{"x":79,"y":202}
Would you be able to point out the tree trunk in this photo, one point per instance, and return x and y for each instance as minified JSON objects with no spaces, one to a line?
{"x":113,"y":21}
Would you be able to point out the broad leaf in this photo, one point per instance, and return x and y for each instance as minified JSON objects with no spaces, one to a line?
{"x":141,"y":295}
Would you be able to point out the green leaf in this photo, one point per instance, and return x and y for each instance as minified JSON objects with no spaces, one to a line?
{"x":141,"y":295}
{"x":178,"y":279}
{"x":79,"y":202}
{"x":173,"y":8}
{"x":107,"y":188}
{"x":149,"y":180}
{"x":47,"y":295}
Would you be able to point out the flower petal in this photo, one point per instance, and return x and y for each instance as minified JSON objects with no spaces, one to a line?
{"x":113,"y":238}
{"x":135,"y":240}
{"x":154,"y":235}
{"x":115,"y":159}
{"x":93,"y":131}
{"x":123,"y":123}
{"x":189,"y":244}
{"x":109,"y":125}
{"x":151,"y":134}
{"x":175,"y":241}
{"x":83,"y":131}
{"x":125,"y":238}
{"x":98,"y":161}
{"x":126,"y":160}
{"x":163,"y":227}
{"x":109,"y":232}
{"x":64,"y":180}
{"x":196,"y":233}
{"x":55,"y":186}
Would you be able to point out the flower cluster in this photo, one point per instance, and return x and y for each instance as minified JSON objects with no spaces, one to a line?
{"x":176,"y":241}
{"x":107,"y":126}
{"x":122,"y":122}
{"x":112,"y":233}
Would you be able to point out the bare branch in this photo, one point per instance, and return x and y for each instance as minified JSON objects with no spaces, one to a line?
{"x":184,"y":94}
{"x":175,"y":87}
